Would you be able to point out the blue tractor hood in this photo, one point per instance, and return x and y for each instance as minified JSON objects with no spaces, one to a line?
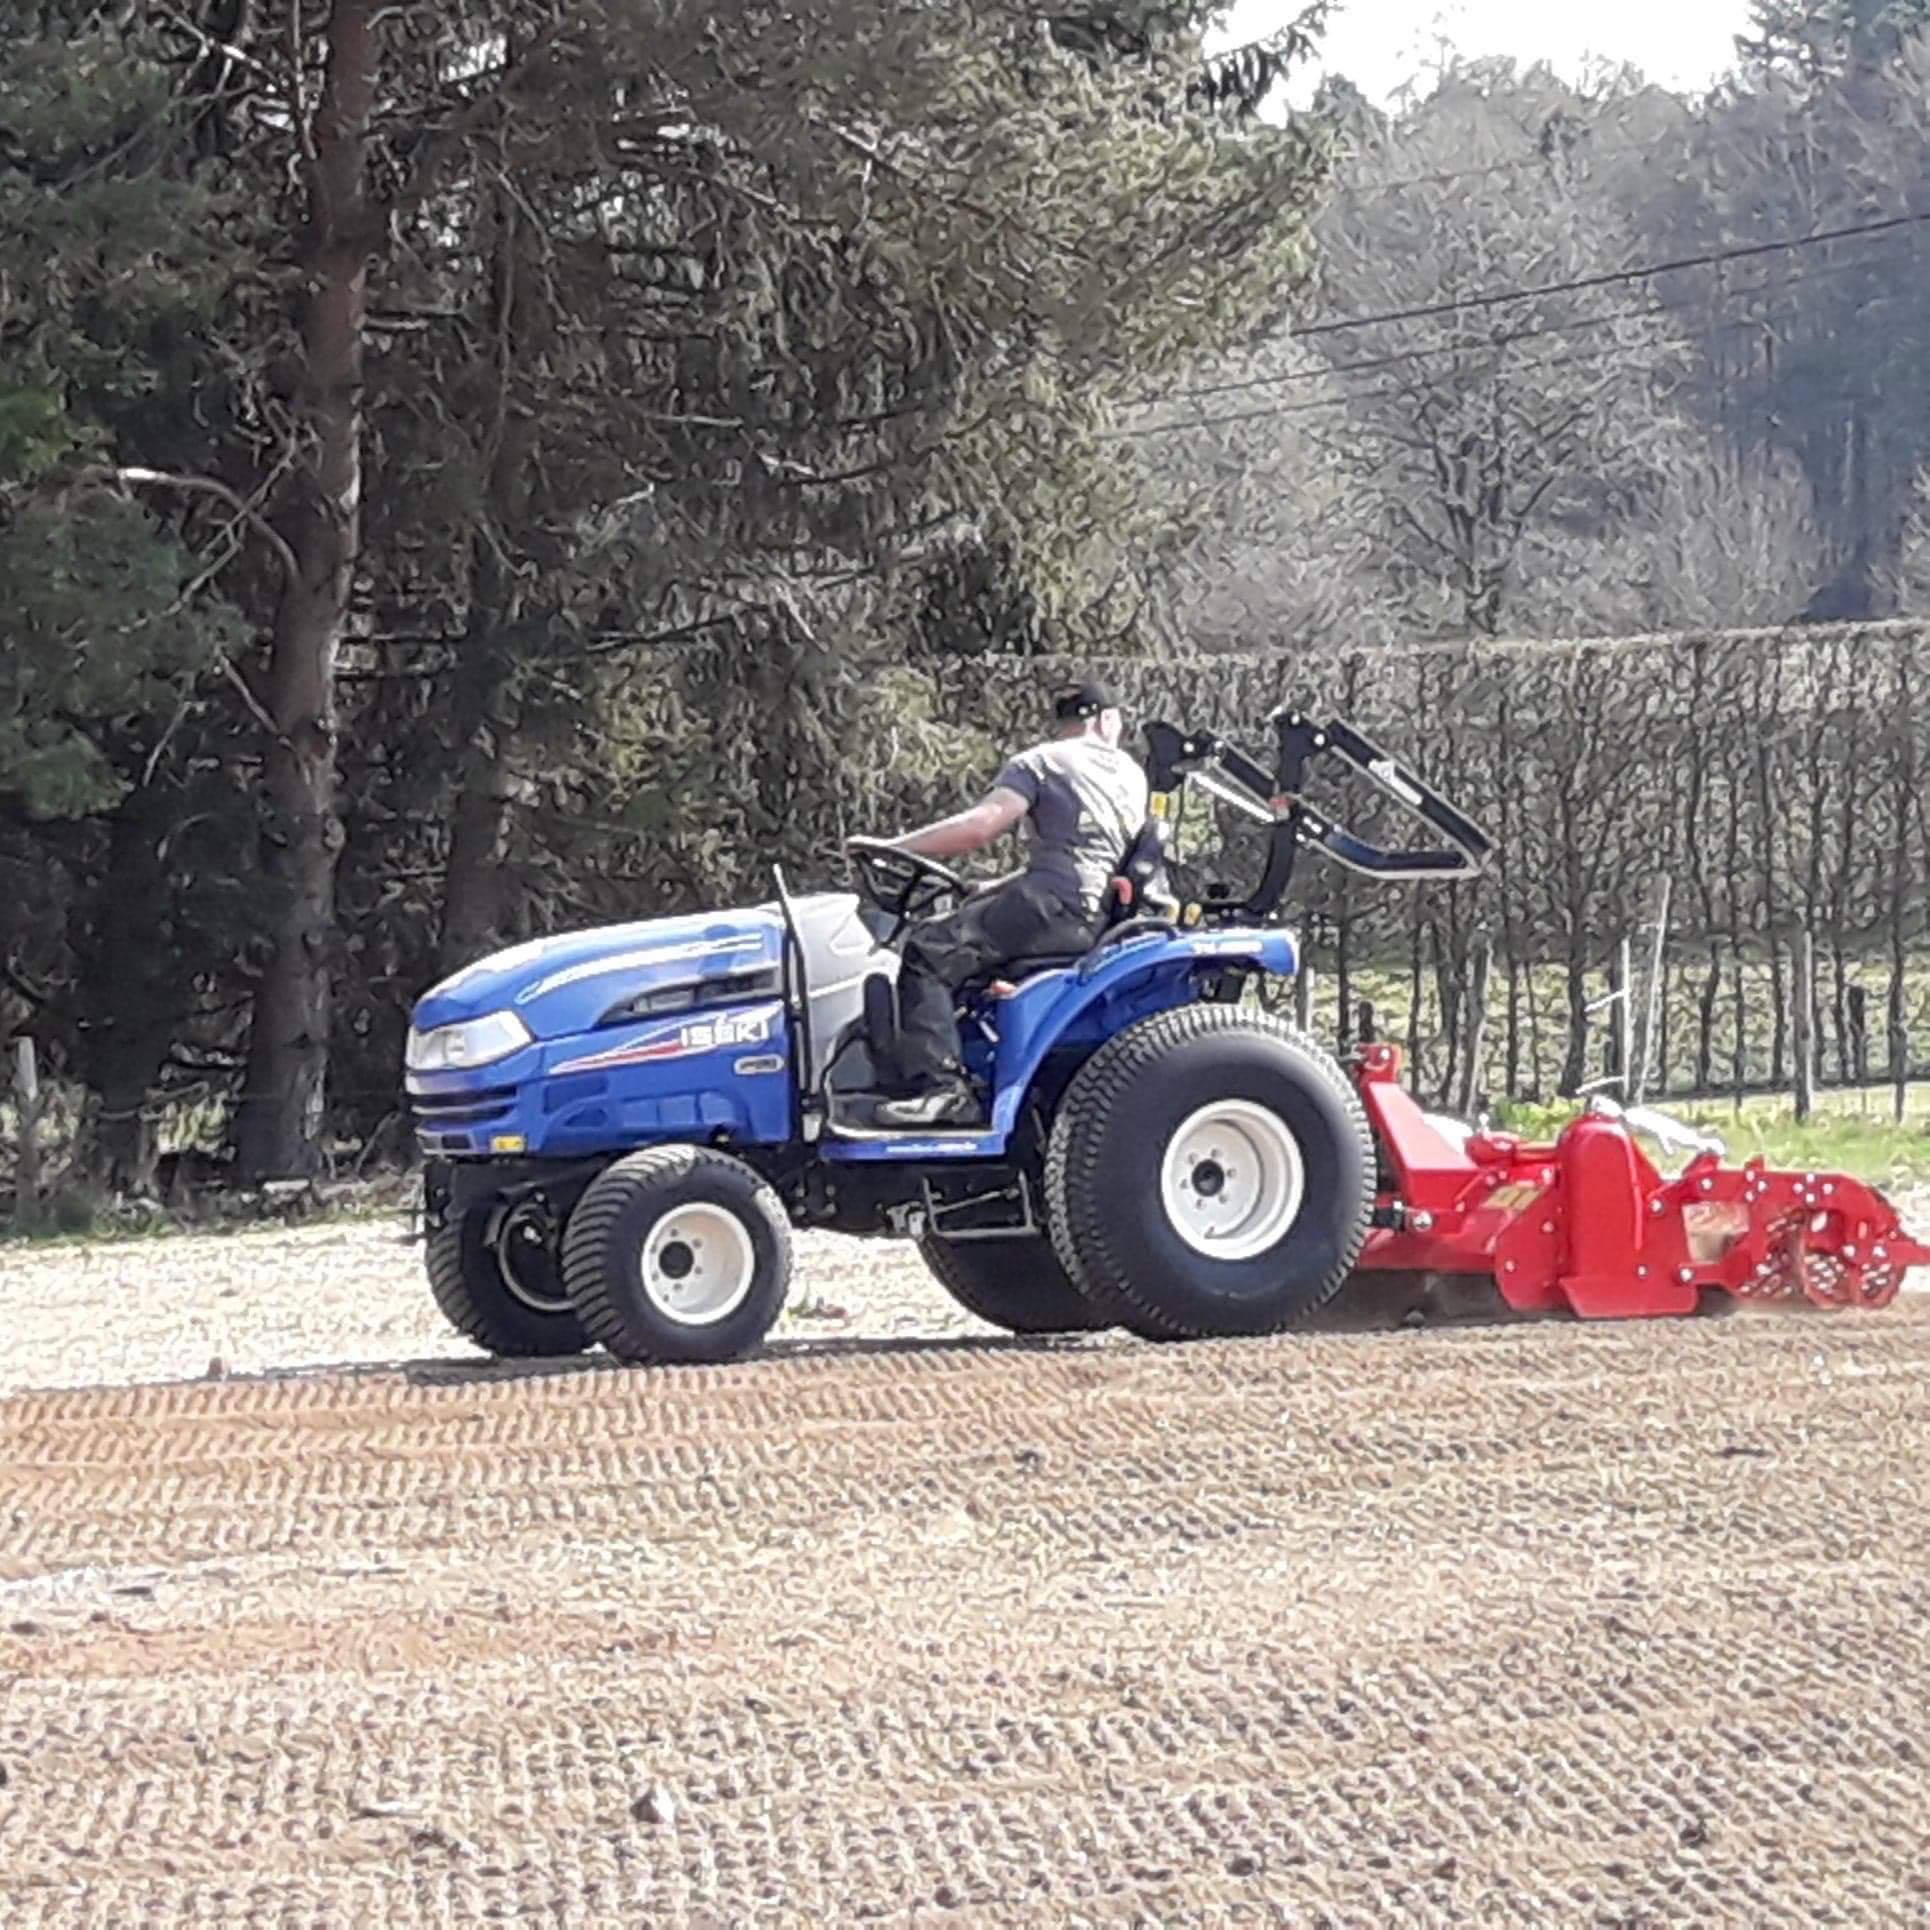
{"x":577,"y":981}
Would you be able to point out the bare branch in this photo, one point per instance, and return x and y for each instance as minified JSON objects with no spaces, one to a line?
{"x":207,"y":486}
{"x":248,"y":697}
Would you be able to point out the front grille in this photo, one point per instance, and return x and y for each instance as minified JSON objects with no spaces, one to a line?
{"x":442,"y":1111}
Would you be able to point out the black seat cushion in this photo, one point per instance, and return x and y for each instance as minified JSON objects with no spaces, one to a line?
{"x":1038,"y":962}
{"x":1015,"y":969}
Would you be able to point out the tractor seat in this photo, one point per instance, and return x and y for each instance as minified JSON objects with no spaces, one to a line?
{"x":1020,"y":968}
{"x":1131,"y":885}
{"x":1138,"y":873}
{"x":1015,"y":969}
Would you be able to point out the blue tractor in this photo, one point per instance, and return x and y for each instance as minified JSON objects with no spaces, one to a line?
{"x":621,"y":1126}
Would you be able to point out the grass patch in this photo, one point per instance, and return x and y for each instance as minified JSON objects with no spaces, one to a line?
{"x":1542,"y":1045}
{"x":1832,"y":1140}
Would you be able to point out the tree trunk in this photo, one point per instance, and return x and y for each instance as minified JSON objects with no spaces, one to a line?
{"x":1803,"y":1026}
{"x":474,"y":901}
{"x":1705,"y":1022}
{"x":1343,"y":987}
{"x":1695,"y":832}
{"x":1415,"y":982}
{"x":1664,"y":1042}
{"x":27,"y":1103}
{"x":1621,"y":1020}
{"x":1481,"y":973}
{"x":1841,"y":919}
{"x":1649,"y":1023}
{"x":133,"y":991}
{"x":278,"y":1126}
{"x":1766,"y":803}
{"x":1897,"y":1027}
{"x":1739,"y":1070}
{"x":1512,"y":925}
{"x":476,"y":905}
{"x":1779,"y":1013}
{"x":1533,"y":998}
{"x":1574,"y":1066}
{"x":1511,"y":1076}
{"x":1447,"y":993}
{"x":1303,"y":994}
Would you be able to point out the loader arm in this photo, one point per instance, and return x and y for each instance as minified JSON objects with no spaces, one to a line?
{"x":1222,"y":769}
{"x":1300,"y":741}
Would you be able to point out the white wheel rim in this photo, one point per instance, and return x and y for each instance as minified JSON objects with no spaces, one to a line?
{"x":1232,"y":1180}
{"x":698,"y":1264}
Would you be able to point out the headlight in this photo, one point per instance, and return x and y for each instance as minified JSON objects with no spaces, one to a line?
{"x":475,"y":1042}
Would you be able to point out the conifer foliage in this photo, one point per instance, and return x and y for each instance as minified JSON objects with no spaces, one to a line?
{"x":382,"y":390}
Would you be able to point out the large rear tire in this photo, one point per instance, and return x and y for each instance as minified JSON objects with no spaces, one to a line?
{"x":1016,"y":1284}
{"x":1210,"y":1172}
{"x":678,"y":1254}
{"x":495,"y":1275}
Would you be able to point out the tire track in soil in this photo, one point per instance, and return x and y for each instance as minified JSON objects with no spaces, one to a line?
{"x":1614,"y":1625}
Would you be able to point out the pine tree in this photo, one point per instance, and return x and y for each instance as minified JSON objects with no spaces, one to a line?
{"x":110,"y":265}
{"x":830,"y":356}
{"x":99,"y":258}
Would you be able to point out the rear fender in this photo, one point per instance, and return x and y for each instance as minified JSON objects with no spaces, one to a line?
{"x":1077,"y":1009}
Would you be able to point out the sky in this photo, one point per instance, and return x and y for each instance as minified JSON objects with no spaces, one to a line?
{"x":1381,"y":44}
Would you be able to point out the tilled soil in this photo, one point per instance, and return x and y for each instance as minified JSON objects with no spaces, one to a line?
{"x":1548,"y":1624}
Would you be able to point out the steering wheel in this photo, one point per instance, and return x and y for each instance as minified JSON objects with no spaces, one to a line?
{"x":902,"y":884}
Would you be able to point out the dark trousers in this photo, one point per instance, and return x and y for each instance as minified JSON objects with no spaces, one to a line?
{"x":1020,"y":918}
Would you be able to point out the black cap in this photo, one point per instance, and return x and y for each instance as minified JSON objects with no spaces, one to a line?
{"x":1086,"y":699}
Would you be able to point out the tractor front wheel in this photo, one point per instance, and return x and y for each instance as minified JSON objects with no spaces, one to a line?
{"x":1016,"y":1284}
{"x":678,"y":1254}
{"x":1211,"y":1172}
{"x":496,"y":1276}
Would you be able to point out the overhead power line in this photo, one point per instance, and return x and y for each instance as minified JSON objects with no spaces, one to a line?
{"x":1608,"y":278}
{"x":1495,"y":298}
{"x":1396,"y":357}
{"x":1322,"y":404}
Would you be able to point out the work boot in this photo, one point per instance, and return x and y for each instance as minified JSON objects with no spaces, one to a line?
{"x":952,"y":1102}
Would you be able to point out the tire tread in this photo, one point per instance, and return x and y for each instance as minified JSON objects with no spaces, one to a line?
{"x":586,"y":1278}
{"x":1081,"y":1232}
{"x":524,"y":1334}
{"x":1061,"y":1309}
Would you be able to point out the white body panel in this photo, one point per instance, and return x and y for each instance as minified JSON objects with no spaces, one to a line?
{"x":840,"y":953}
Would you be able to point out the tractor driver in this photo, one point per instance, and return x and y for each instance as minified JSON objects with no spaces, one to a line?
{"x":1083,"y":800}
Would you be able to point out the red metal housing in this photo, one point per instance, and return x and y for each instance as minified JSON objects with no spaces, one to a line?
{"x":1589,"y":1226}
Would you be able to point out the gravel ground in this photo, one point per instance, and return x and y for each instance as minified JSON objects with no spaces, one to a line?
{"x":350,"y":1294}
{"x":353,"y":1294}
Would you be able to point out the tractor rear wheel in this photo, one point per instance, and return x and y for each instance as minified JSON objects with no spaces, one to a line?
{"x":1016,"y":1284}
{"x":678,"y":1253}
{"x":496,"y":1276}
{"x":1210,"y":1172}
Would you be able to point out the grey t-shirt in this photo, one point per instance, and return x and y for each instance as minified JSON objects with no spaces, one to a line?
{"x":1088,"y":801}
